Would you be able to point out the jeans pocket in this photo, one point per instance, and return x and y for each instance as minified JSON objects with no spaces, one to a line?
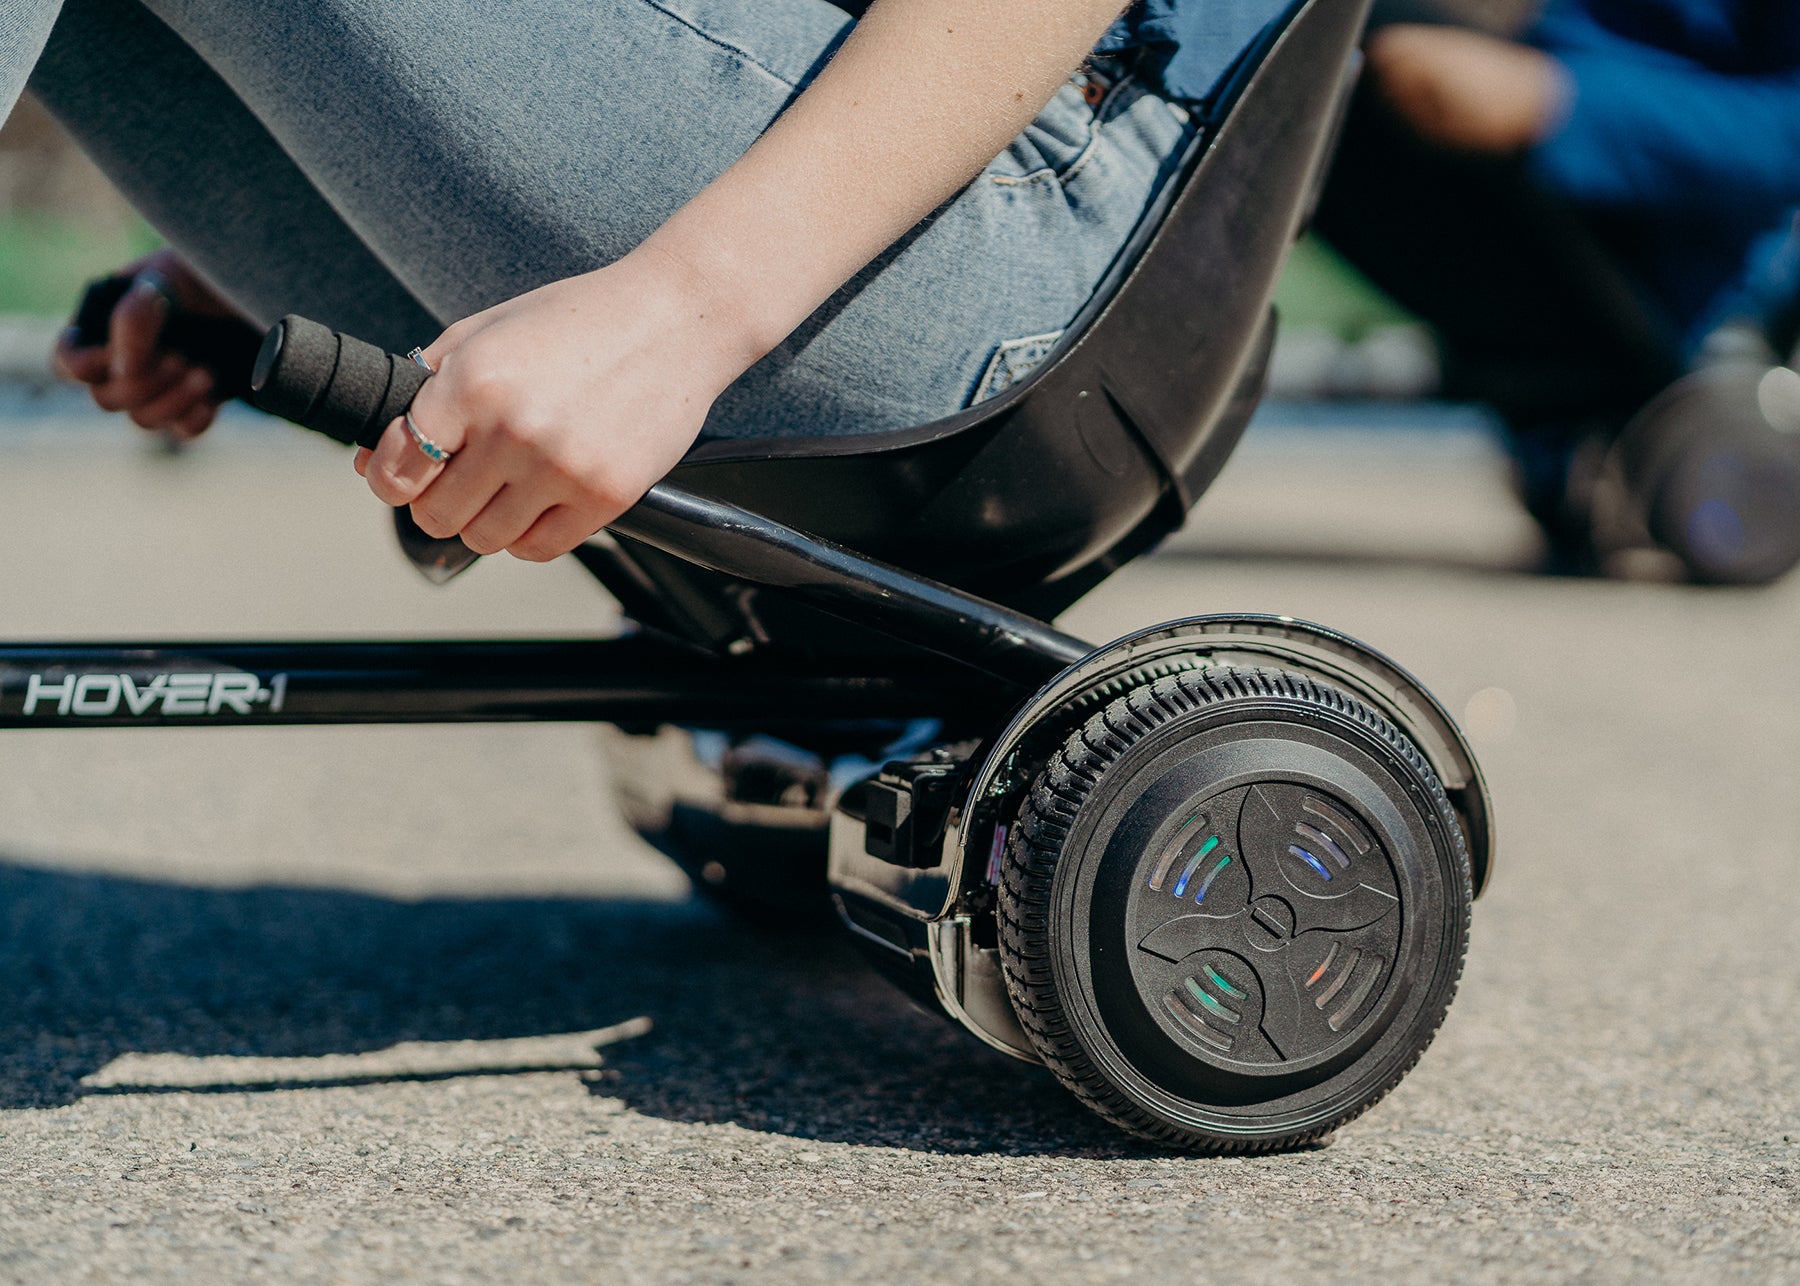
{"x":1012,"y":362}
{"x":1055,"y":146}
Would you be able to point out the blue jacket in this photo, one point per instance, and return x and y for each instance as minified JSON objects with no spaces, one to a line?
{"x":1684,"y":115}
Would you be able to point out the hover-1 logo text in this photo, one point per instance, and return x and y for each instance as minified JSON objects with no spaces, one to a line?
{"x":103,"y":696}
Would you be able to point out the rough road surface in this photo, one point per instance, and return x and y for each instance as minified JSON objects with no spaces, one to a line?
{"x":409,"y":1005}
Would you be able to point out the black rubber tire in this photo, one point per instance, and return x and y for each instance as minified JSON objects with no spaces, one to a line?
{"x":1054,"y":840}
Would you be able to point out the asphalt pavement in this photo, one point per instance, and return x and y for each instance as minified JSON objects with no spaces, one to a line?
{"x":410,"y":1005}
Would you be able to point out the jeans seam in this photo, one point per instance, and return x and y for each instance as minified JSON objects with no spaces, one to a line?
{"x":999,"y":359}
{"x":1050,"y":174}
{"x":726,"y":45}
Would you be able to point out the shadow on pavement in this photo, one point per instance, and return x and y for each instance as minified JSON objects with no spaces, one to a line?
{"x":784,"y":1034}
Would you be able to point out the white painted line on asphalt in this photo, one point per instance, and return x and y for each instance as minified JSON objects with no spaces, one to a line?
{"x":413,"y":1059}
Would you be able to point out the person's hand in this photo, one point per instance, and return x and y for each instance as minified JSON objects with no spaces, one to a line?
{"x":1467,"y":90}
{"x":160,"y":390}
{"x":561,"y":407}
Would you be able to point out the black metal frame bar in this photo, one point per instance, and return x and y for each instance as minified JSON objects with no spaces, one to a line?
{"x":970,"y":631}
{"x":637,"y":679}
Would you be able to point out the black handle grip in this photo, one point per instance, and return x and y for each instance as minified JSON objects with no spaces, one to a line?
{"x":225,"y":346}
{"x":333,"y":384}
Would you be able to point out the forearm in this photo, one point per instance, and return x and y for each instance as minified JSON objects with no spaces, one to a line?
{"x":921,"y":96}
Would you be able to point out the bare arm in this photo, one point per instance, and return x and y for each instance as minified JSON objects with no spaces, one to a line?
{"x":564,"y":405}
{"x":922,"y":95}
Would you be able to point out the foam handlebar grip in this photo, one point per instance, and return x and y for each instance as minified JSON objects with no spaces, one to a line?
{"x":333,"y":384}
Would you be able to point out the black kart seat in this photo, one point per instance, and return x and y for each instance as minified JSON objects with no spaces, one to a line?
{"x":1034,"y":496}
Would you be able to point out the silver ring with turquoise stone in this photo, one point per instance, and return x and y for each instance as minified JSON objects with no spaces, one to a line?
{"x":431,"y":450}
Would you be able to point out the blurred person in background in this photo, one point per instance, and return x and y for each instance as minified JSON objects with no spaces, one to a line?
{"x":1587,"y":214}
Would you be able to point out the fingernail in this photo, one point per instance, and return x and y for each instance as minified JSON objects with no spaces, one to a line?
{"x":141,"y":286}
{"x":151,"y":279}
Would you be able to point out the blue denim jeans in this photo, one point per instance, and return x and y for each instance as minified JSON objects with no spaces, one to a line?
{"x":388,"y":168}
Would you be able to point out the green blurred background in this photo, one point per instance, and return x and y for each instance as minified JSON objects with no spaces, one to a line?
{"x":61,"y":223}
{"x":45,"y":257}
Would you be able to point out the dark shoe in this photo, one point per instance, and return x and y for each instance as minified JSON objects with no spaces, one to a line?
{"x":1554,"y":471}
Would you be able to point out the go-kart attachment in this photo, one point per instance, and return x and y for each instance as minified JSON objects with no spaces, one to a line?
{"x":1216,"y":875}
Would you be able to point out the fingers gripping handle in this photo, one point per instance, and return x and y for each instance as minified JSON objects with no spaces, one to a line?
{"x":333,"y":384}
